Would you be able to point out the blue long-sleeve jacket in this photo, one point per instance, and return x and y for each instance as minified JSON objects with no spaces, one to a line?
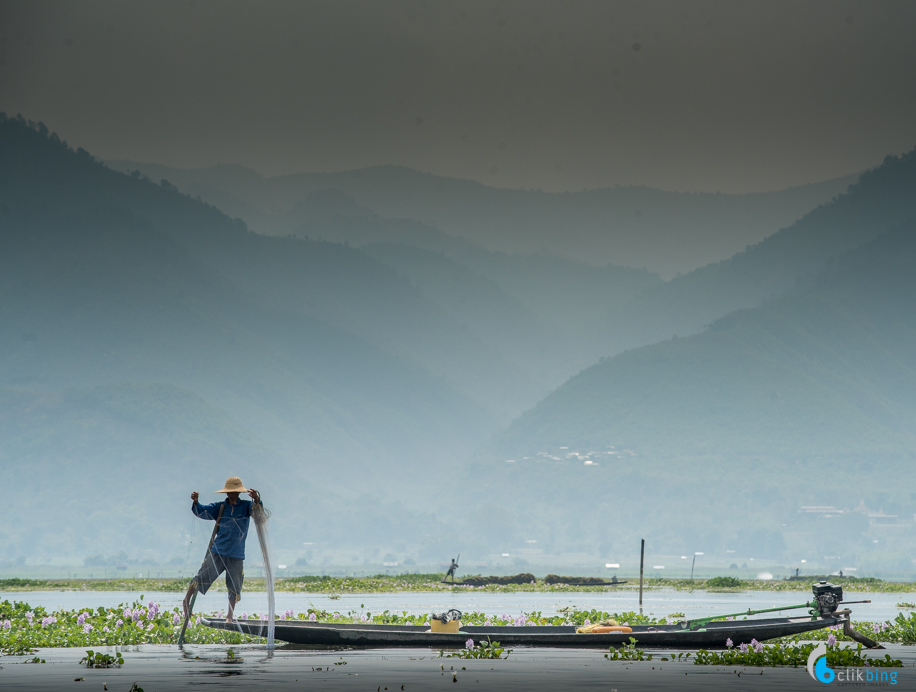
{"x":233,"y":526}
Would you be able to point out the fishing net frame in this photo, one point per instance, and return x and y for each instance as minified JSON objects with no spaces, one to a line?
{"x":261,"y":515}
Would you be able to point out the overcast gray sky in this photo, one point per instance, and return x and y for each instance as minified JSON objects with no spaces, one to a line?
{"x":731,"y":96}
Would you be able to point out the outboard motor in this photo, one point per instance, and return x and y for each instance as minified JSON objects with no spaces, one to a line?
{"x":827,"y":596}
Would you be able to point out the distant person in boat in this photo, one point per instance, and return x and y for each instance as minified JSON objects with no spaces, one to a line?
{"x":451,"y":570}
{"x":228,"y":551}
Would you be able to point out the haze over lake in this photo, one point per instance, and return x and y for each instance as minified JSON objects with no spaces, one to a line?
{"x":525,"y":282}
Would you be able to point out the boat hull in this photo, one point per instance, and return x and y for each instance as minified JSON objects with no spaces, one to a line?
{"x":712,"y":636}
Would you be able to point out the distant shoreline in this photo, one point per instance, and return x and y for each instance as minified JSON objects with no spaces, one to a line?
{"x":432,"y":582}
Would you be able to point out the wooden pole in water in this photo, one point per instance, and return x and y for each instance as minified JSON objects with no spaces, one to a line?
{"x":187,"y":616}
{"x":642,"y":560}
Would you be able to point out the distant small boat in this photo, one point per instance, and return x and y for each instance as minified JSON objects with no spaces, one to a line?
{"x":712,"y":635}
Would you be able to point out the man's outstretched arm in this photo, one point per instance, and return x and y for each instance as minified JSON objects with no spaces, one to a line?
{"x":203,"y":511}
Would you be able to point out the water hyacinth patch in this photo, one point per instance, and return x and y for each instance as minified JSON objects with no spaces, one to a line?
{"x":101,"y":660}
{"x":781,"y":654}
{"x":628,"y":652}
{"x":901,"y":630}
{"x":37,"y":627}
{"x":487,"y":649}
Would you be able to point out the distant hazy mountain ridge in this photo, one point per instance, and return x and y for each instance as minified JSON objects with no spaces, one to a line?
{"x":667,"y":232}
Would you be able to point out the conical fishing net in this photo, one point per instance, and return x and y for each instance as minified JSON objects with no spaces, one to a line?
{"x":261,"y":514}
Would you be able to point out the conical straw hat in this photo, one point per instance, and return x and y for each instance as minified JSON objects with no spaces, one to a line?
{"x":234,"y":485}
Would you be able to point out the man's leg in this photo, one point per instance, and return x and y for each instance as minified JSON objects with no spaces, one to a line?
{"x":235,"y":575}
{"x":208,"y":573}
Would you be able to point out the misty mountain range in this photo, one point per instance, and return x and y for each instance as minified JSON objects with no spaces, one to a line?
{"x":666,"y":232}
{"x":426,"y":339}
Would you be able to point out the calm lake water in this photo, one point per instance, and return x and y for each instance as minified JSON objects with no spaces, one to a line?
{"x":162,"y":667}
{"x":660,"y":602}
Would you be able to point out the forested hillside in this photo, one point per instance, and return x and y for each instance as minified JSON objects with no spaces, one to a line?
{"x":880,"y":199}
{"x":148,"y":333}
{"x":148,"y":336}
{"x":809,"y":400}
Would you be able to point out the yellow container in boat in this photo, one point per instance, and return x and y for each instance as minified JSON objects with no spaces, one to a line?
{"x":451,"y":626}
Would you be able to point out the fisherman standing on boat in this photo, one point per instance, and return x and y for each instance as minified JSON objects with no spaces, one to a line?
{"x":451,"y":570}
{"x":227,"y":553}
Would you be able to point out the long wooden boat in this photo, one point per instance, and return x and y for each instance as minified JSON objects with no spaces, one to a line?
{"x":711,"y":635}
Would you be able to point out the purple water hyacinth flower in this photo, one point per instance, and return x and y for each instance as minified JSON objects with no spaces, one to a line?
{"x":151,"y":626}
{"x":87,"y":628}
{"x":469,"y":644}
{"x":758,"y":648}
{"x":729,"y":643}
{"x":244,"y":616}
{"x":119,"y":623}
{"x":587,"y":622}
{"x":176,"y":620}
{"x":754,"y":643}
{"x":7,"y":624}
{"x":831,"y":640}
{"x":105,"y":628}
{"x":263,"y":616}
{"x":313,"y":617}
{"x":876,"y":628}
{"x":81,"y":619}
{"x":127,"y":613}
{"x":487,"y":622}
{"x":197,"y":621}
{"x":29,"y":616}
{"x":742,"y":648}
